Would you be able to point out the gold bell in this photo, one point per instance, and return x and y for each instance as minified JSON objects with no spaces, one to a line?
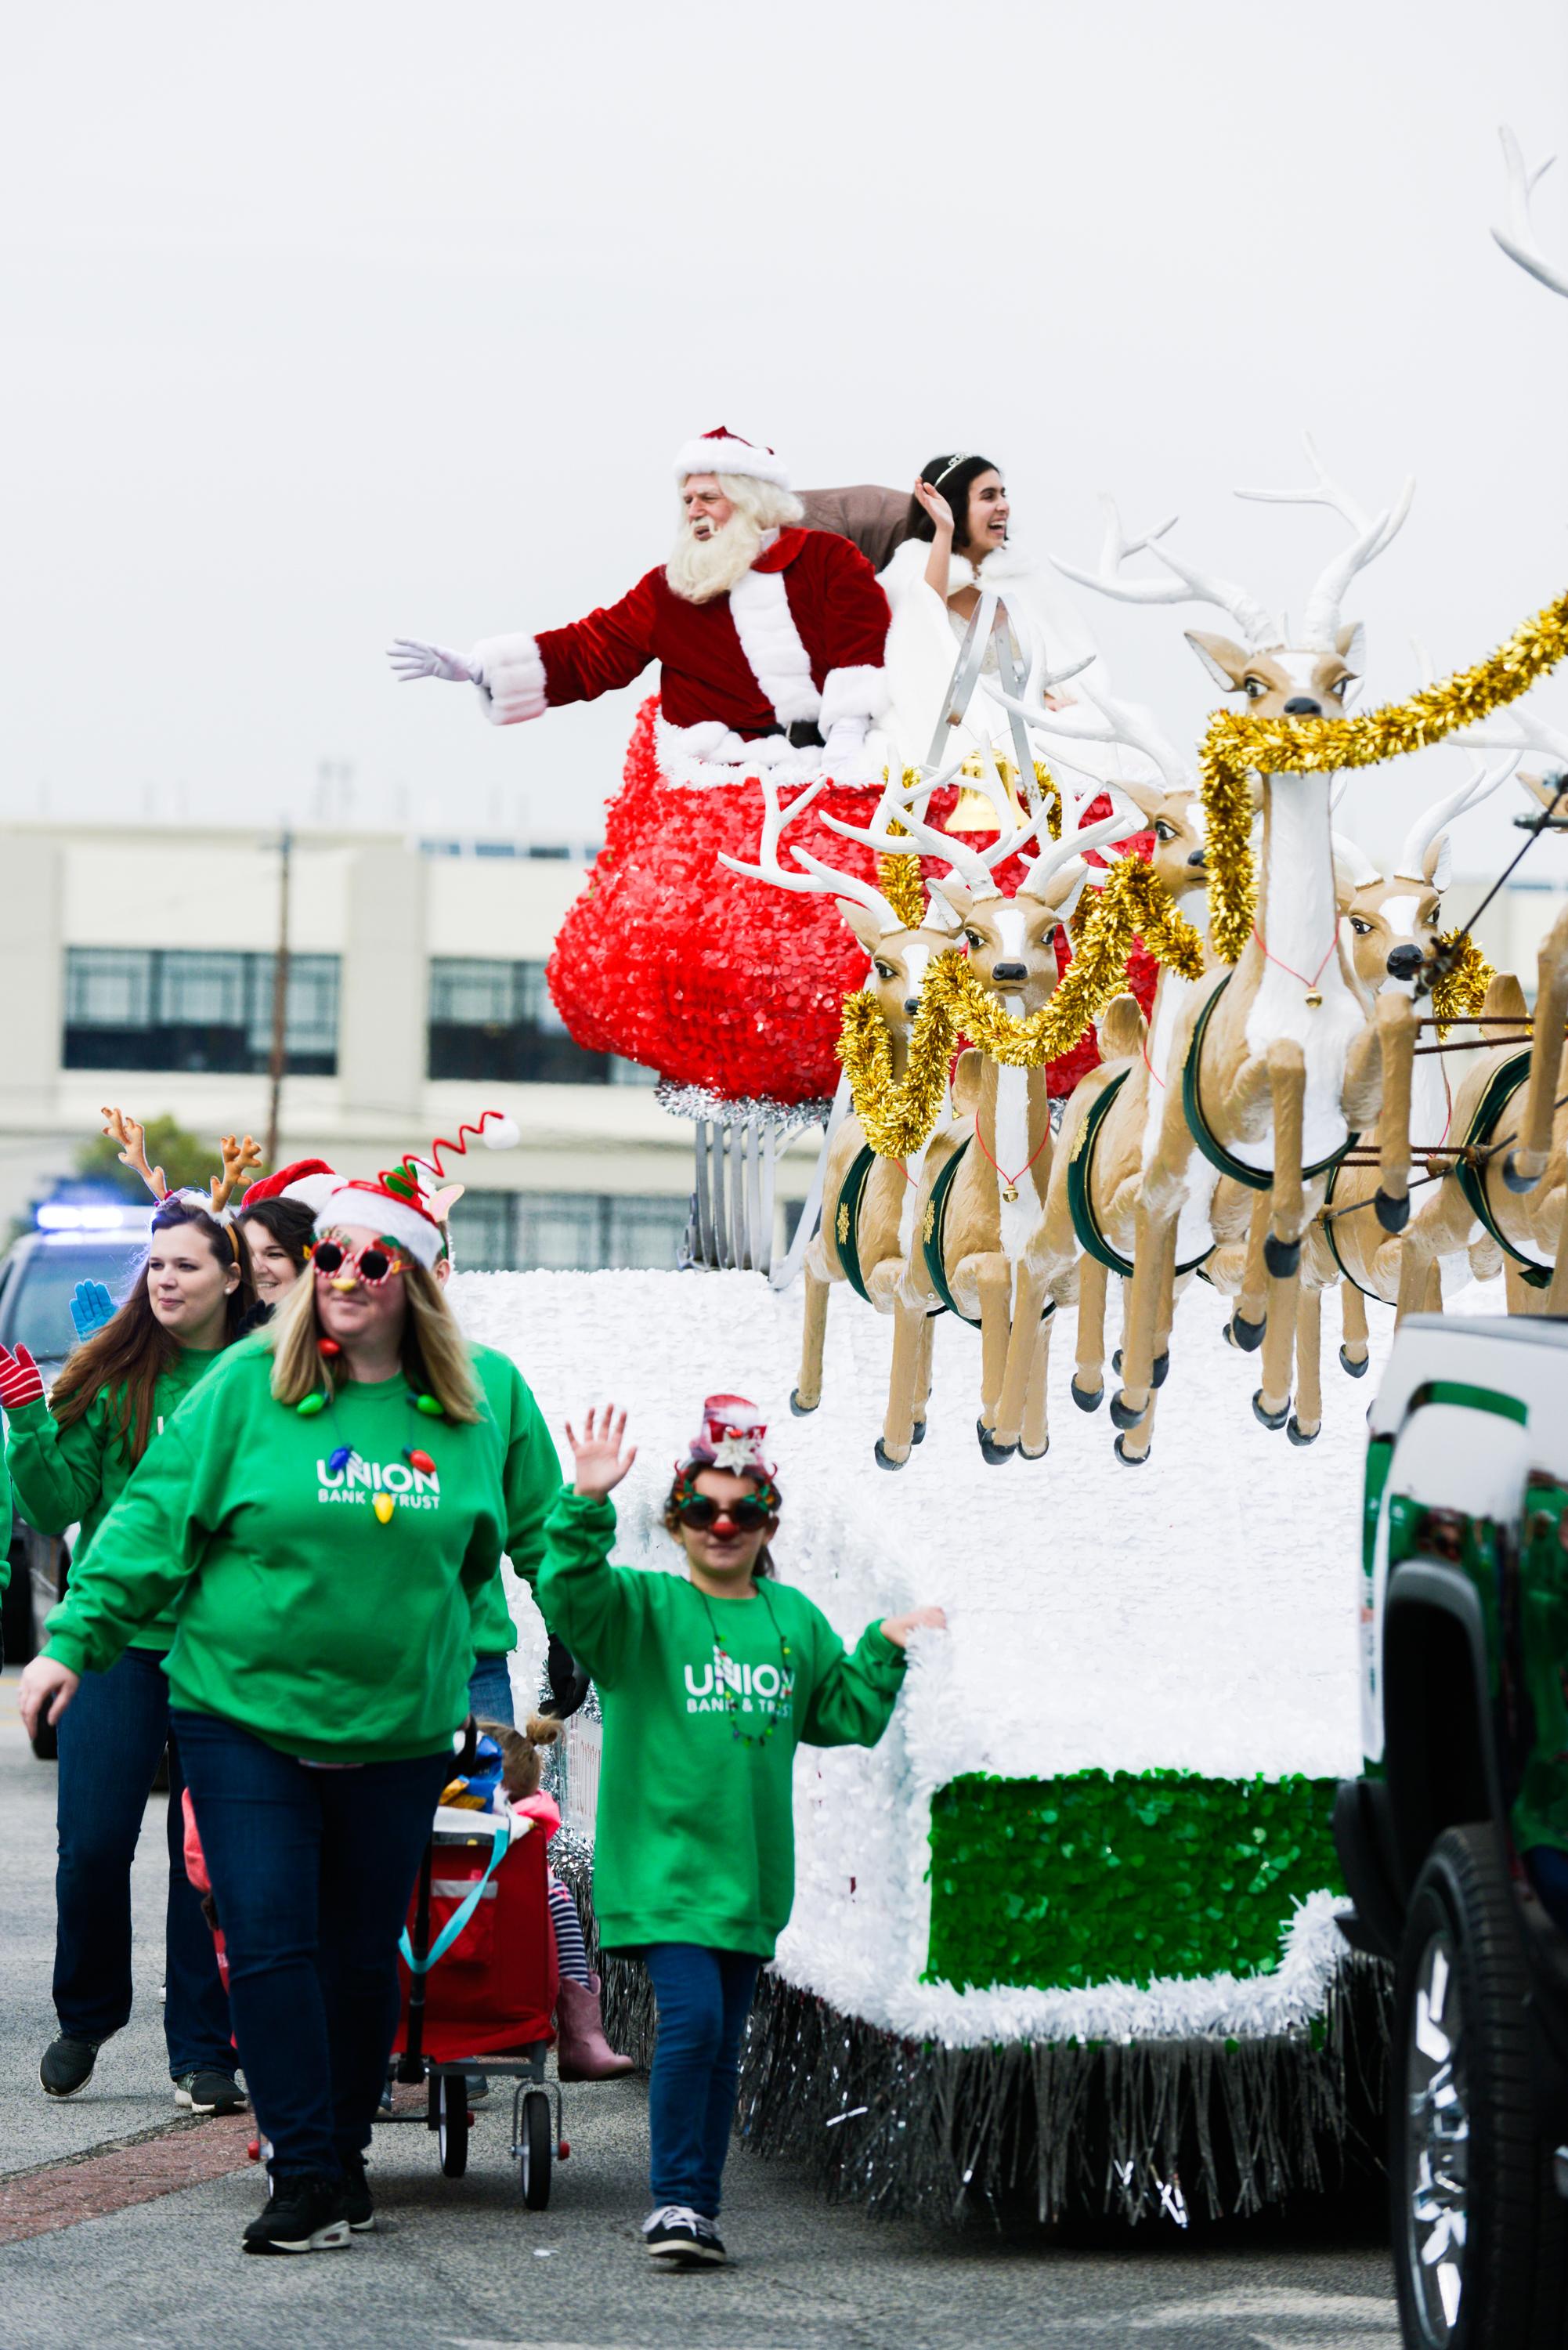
{"x":1313,"y":999}
{"x":1010,"y":1194}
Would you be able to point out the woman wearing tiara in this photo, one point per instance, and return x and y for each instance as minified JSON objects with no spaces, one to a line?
{"x":958,"y":546}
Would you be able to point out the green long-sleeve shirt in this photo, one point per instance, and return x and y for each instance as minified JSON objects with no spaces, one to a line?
{"x":530,"y":1480}
{"x":695,"y":1837}
{"x":299,"y":1613}
{"x":62,"y":1474}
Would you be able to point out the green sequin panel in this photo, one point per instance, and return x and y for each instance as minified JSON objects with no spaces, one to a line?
{"x":1121,"y":1876}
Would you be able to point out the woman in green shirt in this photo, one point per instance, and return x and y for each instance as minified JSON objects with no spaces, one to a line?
{"x":71,"y":1459}
{"x":324,"y":1517}
{"x":707,"y":1682}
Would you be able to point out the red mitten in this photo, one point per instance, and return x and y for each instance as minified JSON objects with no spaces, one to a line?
{"x":20,"y":1379}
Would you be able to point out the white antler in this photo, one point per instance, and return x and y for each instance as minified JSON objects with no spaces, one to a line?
{"x":1074,"y":843}
{"x":1432,"y":822}
{"x":1105,"y":718}
{"x":1321,"y":622}
{"x":1189,"y":583}
{"x":817,"y":880}
{"x":975,"y":865}
{"x":1518,"y":239}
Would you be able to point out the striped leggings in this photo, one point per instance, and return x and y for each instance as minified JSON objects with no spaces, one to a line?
{"x":571,"y":1951}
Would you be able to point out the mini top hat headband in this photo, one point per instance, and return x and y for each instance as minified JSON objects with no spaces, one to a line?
{"x":731,"y":1437}
{"x":213,"y":1202}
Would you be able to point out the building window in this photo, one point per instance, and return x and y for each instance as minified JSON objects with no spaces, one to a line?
{"x":152,"y":1008}
{"x":493,"y":1024}
{"x":565,"y":1231}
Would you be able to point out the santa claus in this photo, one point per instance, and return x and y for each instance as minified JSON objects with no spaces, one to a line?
{"x":769,"y":641}
{"x":769,"y":636}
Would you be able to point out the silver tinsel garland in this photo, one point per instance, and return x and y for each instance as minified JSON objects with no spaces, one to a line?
{"x":1131,"y":2130}
{"x":760,"y":1109}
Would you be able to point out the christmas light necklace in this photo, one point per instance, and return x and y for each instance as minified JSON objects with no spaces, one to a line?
{"x":745,"y":1737}
{"x":343,"y":1454}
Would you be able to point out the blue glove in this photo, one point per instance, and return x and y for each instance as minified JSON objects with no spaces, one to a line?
{"x":91,"y":1307}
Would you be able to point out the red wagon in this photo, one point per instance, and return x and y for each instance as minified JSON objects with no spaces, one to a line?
{"x":479,"y":1978}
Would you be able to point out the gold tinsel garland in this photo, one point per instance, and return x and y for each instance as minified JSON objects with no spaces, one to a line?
{"x":1235,"y":745}
{"x":896,"y":1116}
{"x":1461,"y":991}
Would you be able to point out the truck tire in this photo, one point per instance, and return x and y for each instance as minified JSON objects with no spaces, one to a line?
{"x":1479,"y":2235}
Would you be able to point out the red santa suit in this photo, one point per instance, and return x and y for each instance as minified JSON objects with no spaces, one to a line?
{"x":797,"y":642}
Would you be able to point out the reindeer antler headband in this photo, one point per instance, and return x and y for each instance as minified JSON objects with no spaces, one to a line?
{"x":237,"y":1156}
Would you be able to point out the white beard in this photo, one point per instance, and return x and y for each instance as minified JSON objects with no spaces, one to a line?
{"x":701,"y":568}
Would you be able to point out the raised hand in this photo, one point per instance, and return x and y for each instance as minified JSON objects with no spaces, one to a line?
{"x":91,"y":1307}
{"x":410,"y":659}
{"x":897,"y":1629}
{"x":21,"y":1381}
{"x":936,"y":505}
{"x":598,"y":1459}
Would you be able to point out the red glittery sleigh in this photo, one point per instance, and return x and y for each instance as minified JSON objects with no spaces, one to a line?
{"x":669,"y":959}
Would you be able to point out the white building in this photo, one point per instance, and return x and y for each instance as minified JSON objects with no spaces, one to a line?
{"x":136,"y":968}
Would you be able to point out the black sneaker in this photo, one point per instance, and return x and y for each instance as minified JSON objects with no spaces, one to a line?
{"x":305,"y":2213}
{"x":357,"y":2198}
{"x":210,"y":2092}
{"x":674,"y":2237}
{"x":67,"y":2065}
{"x":708,"y":2231}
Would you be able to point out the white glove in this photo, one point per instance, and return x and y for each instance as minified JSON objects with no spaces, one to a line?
{"x":843,"y":748}
{"x":413,"y":660}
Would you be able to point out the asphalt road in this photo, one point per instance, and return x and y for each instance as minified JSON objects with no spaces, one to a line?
{"x":460,"y":2265}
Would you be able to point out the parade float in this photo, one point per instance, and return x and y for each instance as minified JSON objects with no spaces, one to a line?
{"x":1067,"y":1937}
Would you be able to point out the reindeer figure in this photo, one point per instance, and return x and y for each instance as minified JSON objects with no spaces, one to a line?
{"x":1395,"y":922}
{"x":1509,"y":1185}
{"x":1282,"y":1058}
{"x":980,"y":1208}
{"x":867,"y":1229}
{"x":1111,"y":1120}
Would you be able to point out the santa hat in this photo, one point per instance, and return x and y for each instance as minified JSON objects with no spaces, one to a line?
{"x":724,"y":451}
{"x":731,"y":1436}
{"x":309,"y":1181}
{"x":395,"y":1200}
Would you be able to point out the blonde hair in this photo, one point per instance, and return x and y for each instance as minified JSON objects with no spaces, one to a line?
{"x":435,"y":1357}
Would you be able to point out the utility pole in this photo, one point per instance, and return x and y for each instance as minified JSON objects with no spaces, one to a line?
{"x":279,"y":1002}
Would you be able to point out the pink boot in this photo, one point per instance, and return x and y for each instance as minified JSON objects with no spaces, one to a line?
{"x":582,"y":2052}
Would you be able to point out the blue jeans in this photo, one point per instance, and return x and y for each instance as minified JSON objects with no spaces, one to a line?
{"x":111,"y":1736}
{"x":311,"y":1872}
{"x":704,"y":1998}
{"x":490,"y":1691}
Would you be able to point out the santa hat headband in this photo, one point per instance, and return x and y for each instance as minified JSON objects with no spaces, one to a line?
{"x":395,"y":1200}
{"x":731,"y":1437}
{"x":724,"y":451}
{"x":309,"y":1182}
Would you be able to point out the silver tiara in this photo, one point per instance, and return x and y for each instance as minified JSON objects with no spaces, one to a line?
{"x":952,"y":466}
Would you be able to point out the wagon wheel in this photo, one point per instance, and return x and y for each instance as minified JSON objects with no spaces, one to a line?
{"x":452,"y":2121}
{"x":538,"y":2140}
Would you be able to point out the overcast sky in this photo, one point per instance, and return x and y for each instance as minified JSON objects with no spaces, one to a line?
{"x":326,"y":322}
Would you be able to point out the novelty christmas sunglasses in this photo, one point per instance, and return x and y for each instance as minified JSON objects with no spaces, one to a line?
{"x":372,"y":1265}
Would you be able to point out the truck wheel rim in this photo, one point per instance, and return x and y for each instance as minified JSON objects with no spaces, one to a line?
{"x":1436,"y":2143}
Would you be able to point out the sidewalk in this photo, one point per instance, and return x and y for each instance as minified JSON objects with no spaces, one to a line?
{"x":459,"y":2264}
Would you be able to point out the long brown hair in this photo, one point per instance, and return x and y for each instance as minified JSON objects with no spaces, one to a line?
{"x":131,"y":1354}
{"x":435,"y":1357}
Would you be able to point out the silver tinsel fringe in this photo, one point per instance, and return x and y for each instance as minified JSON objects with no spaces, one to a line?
{"x":1126,"y":2130}
{"x":779,"y":1117}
